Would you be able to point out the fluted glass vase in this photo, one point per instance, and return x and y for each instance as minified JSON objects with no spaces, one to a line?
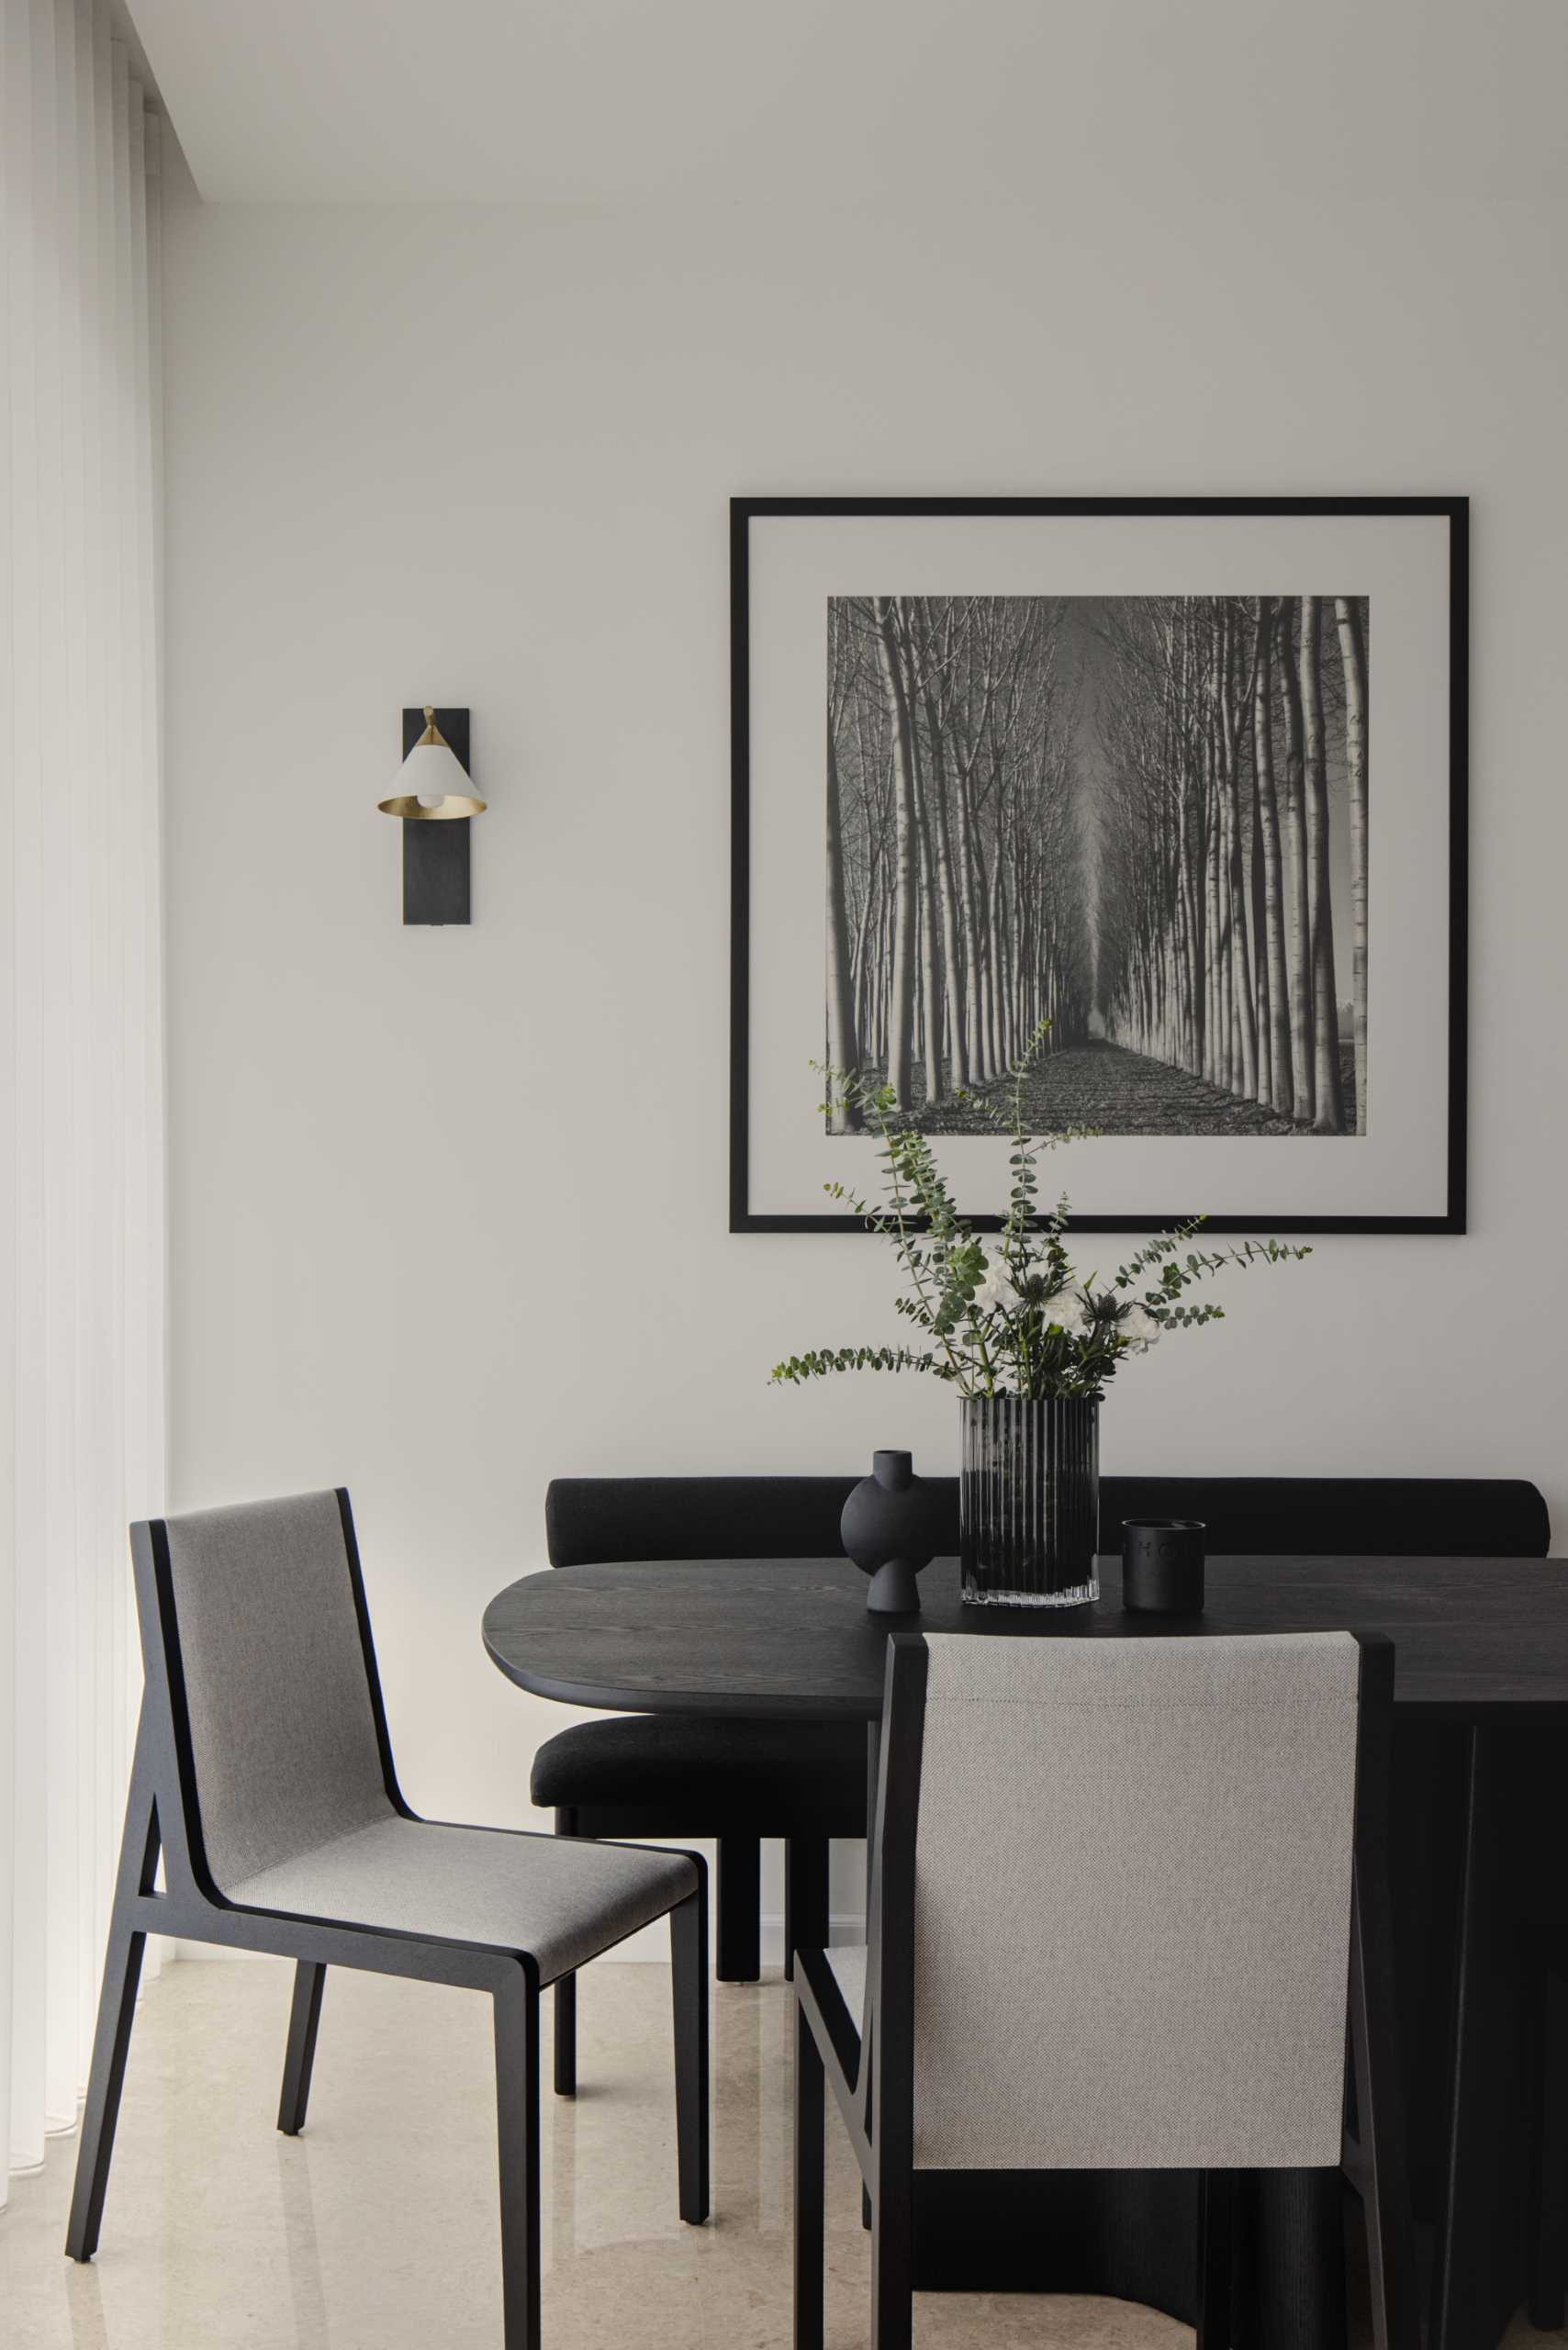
{"x":1028,"y":1501}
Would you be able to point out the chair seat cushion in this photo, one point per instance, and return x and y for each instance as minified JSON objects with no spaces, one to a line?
{"x":559,"y":1900}
{"x":771,"y":1778}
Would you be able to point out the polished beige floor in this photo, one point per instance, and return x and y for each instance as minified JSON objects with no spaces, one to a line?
{"x":377,"y":2230}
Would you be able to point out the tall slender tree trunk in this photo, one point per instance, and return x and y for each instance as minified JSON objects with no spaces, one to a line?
{"x":1304,"y":1100}
{"x":842,"y":1049}
{"x":1282,"y":1092}
{"x":974,"y":978}
{"x":1353,"y":654}
{"x":1256,"y":930}
{"x":930,"y":962}
{"x":1244,"y":1079}
{"x":901,"y":1009}
{"x":866,"y":910}
{"x":1005,"y":945}
{"x":917,"y":1026}
{"x":984,"y":1056}
{"x":952,"y":923}
{"x":1189,"y":886}
{"x":1224,"y":1026}
{"x":992,"y":1041}
{"x":1329,"y":1118}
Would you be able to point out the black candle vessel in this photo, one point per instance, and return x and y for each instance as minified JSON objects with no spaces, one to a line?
{"x":1162,"y":1565}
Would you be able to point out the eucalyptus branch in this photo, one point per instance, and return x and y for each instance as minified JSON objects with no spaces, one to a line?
{"x":824,"y":1361}
{"x":1176,"y":1273}
{"x":907,"y":1156}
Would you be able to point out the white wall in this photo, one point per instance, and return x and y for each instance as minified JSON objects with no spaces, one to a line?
{"x":449,"y":1206}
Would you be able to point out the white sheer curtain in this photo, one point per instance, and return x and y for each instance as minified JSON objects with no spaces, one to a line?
{"x":81,"y":1048}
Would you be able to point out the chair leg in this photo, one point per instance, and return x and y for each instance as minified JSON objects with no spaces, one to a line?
{"x":1549,"y":2160}
{"x":566,"y":1999}
{"x":1459,"y":2284}
{"x":805,"y":1897}
{"x":299,"y":2057}
{"x":738,"y":1894}
{"x":111,"y":2044}
{"x":809,"y":2168}
{"x":1216,"y":2202}
{"x":565,"y":2035}
{"x":517,"y":2118}
{"x":135,"y":1877}
{"x":892,"y":2264}
{"x":1383,"y":2179}
{"x":689,"y":1970}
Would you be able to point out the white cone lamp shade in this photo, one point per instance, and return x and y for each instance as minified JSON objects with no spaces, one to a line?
{"x":434,"y":785}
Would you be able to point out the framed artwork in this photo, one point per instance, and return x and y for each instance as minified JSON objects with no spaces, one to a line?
{"x":1184,"y":776}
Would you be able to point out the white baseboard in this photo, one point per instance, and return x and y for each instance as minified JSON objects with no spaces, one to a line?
{"x":202,"y":1951}
{"x":651,"y":1947}
{"x":846,"y":1926}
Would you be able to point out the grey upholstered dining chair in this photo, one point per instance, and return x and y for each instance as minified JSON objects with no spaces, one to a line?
{"x":264,"y":1774}
{"x":1128,"y":1911}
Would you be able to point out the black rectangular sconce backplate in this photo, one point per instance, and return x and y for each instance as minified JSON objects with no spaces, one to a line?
{"x":435,"y":856}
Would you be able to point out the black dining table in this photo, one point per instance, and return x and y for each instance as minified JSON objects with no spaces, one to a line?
{"x":1481,"y":1742}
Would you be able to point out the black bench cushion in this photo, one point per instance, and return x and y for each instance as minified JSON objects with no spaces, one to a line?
{"x":700,"y":1778}
{"x":588,"y":1519}
{"x":1338,"y":1517}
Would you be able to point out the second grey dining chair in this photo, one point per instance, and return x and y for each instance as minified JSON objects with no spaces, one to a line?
{"x":264,"y":1776}
{"x":1129,"y":1911}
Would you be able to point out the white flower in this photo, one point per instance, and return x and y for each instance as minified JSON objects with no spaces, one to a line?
{"x":996,"y":1293}
{"x":1064,"y":1308}
{"x":1061,"y":1309}
{"x":1001,"y":1292}
{"x":1138,"y":1325}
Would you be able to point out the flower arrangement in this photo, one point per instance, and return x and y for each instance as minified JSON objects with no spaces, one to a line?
{"x":1012,"y":1316}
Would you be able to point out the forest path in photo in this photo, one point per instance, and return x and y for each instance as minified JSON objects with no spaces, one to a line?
{"x":1118,"y":1092}
{"x":1139,"y":819}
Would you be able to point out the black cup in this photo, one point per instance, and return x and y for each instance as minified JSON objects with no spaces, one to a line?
{"x":1162,"y":1564}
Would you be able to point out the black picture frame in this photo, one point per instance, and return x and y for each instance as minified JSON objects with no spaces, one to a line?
{"x":1455,"y":510}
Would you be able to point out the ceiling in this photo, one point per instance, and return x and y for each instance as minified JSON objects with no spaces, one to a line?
{"x":834,"y":103}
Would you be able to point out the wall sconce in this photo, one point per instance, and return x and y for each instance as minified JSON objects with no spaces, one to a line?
{"x":435,"y":799}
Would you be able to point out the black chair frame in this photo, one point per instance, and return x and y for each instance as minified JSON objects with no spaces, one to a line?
{"x":163,"y":1820}
{"x":1548,"y":2291}
{"x":737,"y":1955}
{"x":871,"y":2070}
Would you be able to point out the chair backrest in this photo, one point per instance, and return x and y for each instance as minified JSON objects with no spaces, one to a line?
{"x":271,"y":1673}
{"x":590,"y":1519}
{"x":1129,"y":1898}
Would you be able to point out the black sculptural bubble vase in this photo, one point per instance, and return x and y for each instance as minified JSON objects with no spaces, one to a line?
{"x":888,"y":1528}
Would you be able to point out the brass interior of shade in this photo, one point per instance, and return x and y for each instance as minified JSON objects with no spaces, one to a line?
{"x":413,"y":811}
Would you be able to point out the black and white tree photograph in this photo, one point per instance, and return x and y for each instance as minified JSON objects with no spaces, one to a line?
{"x":1142,"y":818}
{"x":1075,"y":796}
